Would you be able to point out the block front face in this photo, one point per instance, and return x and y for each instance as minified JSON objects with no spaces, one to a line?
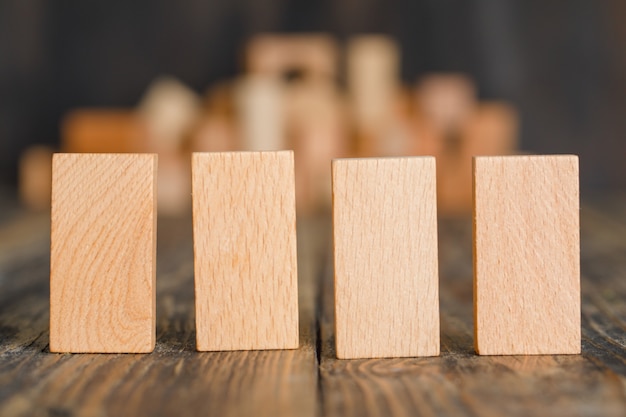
{"x":386,"y":270}
{"x":245,"y":251}
{"x":103,"y":253}
{"x":526,"y":255}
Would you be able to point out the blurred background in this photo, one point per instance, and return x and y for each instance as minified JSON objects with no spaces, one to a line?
{"x":449,"y":78}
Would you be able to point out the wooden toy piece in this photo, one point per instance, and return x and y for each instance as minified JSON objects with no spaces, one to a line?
{"x":446,"y":100}
{"x":318,"y":132}
{"x":372,"y":75}
{"x":103,"y":253}
{"x":386,"y":267}
{"x":35,"y":177}
{"x":309,"y":55}
{"x":174,"y":185}
{"x":169,"y":109}
{"x":103,"y":131}
{"x":260,"y":108}
{"x":490,"y":130}
{"x":245,"y":251}
{"x":526,"y":255}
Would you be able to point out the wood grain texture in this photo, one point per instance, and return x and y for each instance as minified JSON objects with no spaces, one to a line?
{"x":385,"y":251}
{"x":103,"y":253}
{"x":526,"y":255}
{"x":245,"y":250}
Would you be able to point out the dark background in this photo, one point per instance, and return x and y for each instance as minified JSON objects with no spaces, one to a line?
{"x":562,"y":62}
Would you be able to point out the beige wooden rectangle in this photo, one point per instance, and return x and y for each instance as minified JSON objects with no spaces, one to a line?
{"x":103,"y":253}
{"x":526,"y":255}
{"x":245,"y":250}
{"x":386,"y":268}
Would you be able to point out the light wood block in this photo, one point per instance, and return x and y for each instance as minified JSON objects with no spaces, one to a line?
{"x":526,"y":255}
{"x":245,"y":251}
{"x":103,"y":253}
{"x":386,"y":268}
{"x":260,"y":107}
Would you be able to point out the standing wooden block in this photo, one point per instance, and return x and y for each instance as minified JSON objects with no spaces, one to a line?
{"x":103,"y":253}
{"x":526,"y":255}
{"x":244,"y":226}
{"x":386,"y":270}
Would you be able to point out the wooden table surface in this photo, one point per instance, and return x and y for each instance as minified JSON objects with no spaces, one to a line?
{"x":175,"y":380}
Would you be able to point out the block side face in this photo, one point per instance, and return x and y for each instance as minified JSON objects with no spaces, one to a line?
{"x":245,"y":251}
{"x":386,"y":270}
{"x":102,"y":264}
{"x":527,"y":249}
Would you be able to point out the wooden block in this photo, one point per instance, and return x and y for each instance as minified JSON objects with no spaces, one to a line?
{"x":386,"y":268}
{"x":313,"y":56}
{"x":318,"y":132}
{"x":526,"y":255}
{"x":373,"y":73}
{"x":446,"y":100}
{"x":245,"y":251}
{"x":103,"y":131}
{"x":259,"y":101}
{"x":168,"y":110}
{"x":35,"y":177}
{"x":103,"y":253}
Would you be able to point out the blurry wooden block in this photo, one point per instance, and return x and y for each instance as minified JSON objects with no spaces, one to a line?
{"x":103,"y":131}
{"x":526,"y":255}
{"x":35,"y":177}
{"x":386,"y":267}
{"x":318,"y":132}
{"x":310,"y":55}
{"x":174,"y":185}
{"x":245,"y":251}
{"x":103,"y":253}
{"x":372,"y":75}
{"x":261,"y":113}
{"x":214,"y":133}
{"x":446,"y":100}
{"x":169,"y":109}
{"x":490,"y":130}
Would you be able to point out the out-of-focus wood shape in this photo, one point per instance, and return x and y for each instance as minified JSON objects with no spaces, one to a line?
{"x":260,"y":107}
{"x":169,"y":109}
{"x":491,"y":130}
{"x":214,"y":133}
{"x":372,"y":76}
{"x":318,"y":132}
{"x":216,"y":130}
{"x":309,"y":55}
{"x":35,"y":177}
{"x":103,"y":131}
{"x":174,"y":184}
{"x":444,"y":104}
{"x":446,"y":100}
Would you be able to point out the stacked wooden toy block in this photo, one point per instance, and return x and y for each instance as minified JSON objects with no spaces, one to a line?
{"x":526,"y":254}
